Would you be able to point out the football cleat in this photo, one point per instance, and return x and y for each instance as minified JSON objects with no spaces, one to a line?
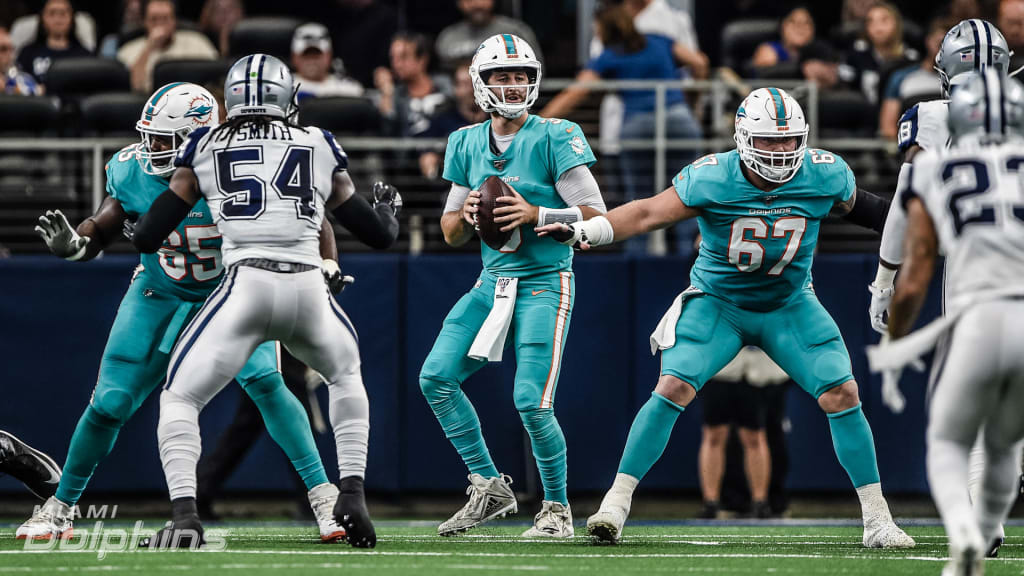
{"x":181,"y":533}
{"x":709,"y":510}
{"x":322,"y":499}
{"x":51,"y":520}
{"x":965,"y":561}
{"x":37,"y":471}
{"x":886,"y":534}
{"x":489,"y":498}
{"x":993,"y":549}
{"x":351,"y":514}
{"x":553,"y":521}
{"x":605,"y":526}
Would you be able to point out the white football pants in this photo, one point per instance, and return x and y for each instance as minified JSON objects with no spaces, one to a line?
{"x":980,"y":385}
{"x":252,"y":306}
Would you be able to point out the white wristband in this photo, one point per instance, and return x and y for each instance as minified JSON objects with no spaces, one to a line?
{"x":547,"y":216}
{"x":597,"y":231}
{"x":884,"y":277}
{"x":81,"y":251}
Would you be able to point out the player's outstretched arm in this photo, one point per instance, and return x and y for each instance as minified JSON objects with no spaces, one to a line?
{"x":920,"y":250}
{"x":167,"y":211}
{"x":377,"y":225}
{"x":632,"y":219}
{"x":863,"y":209}
{"x":90,"y":237}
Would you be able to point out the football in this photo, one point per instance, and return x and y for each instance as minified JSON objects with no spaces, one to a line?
{"x":489,"y":231}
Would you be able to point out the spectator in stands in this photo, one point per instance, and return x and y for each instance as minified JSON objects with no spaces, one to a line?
{"x":736,"y":397}
{"x":218,"y":19}
{"x":797,"y":53}
{"x":460,"y":40}
{"x":163,"y":41}
{"x":913,"y":84}
{"x":407,"y":95}
{"x":311,"y":59}
{"x":14,"y":80}
{"x":131,"y":23}
{"x":462,"y":111}
{"x":660,"y":18}
{"x":630,"y":55}
{"x":1011,"y":24}
{"x":55,"y":39}
{"x":878,"y":53}
{"x":851,"y":23}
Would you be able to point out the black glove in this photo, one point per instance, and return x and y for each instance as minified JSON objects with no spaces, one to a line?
{"x":387,"y":194}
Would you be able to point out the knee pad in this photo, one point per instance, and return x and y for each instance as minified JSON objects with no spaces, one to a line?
{"x":114,"y":405}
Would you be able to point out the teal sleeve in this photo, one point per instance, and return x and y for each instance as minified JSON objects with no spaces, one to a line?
{"x":683,"y":183}
{"x":568,"y":147}
{"x":454,"y":160}
{"x":847,"y":183}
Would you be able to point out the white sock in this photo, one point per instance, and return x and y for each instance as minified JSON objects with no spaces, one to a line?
{"x":998,"y":491}
{"x":350,"y":418}
{"x":873,"y":507}
{"x":180,"y":444}
{"x":947,"y":476}
{"x":620,"y":494}
{"x":976,"y":467}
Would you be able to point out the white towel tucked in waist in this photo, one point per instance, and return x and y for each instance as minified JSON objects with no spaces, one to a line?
{"x":490,"y":340}
{"x":664,"y":335}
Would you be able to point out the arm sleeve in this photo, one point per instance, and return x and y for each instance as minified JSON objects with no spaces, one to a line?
{"x":375,"y":227}
{"x":577,"y":187}
{"x":456,"y":198}
{"x":891,"y":247}
{"x":869,"y":211}
{"x":164,"y":215}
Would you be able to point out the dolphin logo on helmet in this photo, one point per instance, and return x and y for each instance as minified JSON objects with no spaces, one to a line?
{"x":498,"y":52}
{"x":771,"y":113}
{"x":171,"y":114}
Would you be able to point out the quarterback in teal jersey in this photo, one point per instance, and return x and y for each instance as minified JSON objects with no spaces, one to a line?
{"x":524,"y":295}
{"x":167,"y":290}
{"x":759,"y":208}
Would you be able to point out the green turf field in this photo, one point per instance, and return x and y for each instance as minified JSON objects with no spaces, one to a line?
{"x":413,"y":548}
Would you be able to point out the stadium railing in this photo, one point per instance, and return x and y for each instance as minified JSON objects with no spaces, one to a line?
{"x":67,"y":173}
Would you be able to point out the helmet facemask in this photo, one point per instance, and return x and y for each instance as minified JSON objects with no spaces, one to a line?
{"x":495,"y":97}
{"x":777,"y":167}
{"x":160,"y":163}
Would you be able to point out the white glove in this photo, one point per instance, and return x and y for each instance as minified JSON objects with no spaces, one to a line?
{"x":336,"y":282}
{"x":60,"y":237}
{"x":891,"y":395}
{"x":881,"y":296}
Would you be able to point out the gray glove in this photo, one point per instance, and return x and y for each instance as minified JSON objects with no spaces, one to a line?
{"x":60,"y":237}
{"x":387,"y":194}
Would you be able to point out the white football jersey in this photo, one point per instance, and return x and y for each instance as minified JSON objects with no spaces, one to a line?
{"x":266,"y":188}
{"x":975,"y":197}
{"x":925,"y":124}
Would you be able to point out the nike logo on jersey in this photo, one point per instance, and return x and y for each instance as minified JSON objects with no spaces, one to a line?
{"x":535,"y":292}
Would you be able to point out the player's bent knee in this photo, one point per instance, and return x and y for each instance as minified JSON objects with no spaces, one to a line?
{"x":842,"y":397}
{"x":115,"y":405}
{"x":434,"y":387}
{"x":675,"y":390}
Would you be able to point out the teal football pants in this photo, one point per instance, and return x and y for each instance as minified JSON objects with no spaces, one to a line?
{"x":134,"y":364}
{"x":537,"y":334}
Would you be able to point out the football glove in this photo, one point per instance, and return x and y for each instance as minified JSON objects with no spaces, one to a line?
{"x":60,"y":237}
{"x":387,"y":194}
{"x":128,"y":227}
{"x":571,"y":236}
{"x":336,"y":282}
{"x":880,"y":299}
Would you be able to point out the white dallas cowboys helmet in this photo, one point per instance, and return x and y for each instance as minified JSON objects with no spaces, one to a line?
{"x":986,"y":108}
{"x":172,"y":112}
{"x":971,"y":46}
{"x":504,"y":51}
{"x":771,"y":113}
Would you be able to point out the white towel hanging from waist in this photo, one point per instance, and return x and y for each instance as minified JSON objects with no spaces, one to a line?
{"x":490,"y":339}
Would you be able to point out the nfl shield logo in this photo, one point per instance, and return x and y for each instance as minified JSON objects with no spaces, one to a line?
{"x":499,"y":165}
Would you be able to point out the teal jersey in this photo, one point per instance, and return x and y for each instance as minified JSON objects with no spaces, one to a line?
{"x":756,"y":247}
{"x":542,"y":150}
{"x":189,"y":264}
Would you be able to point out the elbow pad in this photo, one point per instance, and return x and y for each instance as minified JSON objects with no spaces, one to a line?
{"x":869,"y":211}
{"x":376,"y":226}
{"x":164,"y":215}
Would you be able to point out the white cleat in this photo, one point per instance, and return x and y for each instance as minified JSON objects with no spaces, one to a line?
{"x":489,"y":498}
{"x":605,"y":526}
{"x":553,"y":521}
{"x":322,"y":499}
{"x":886,"y":534}
{"x":51,"y":520}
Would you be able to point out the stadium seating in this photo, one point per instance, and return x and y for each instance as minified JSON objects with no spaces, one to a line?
{"x":741,"y":38}
{"x":196,"y":71}
{"x":111,"y":114}
{"x":267,"y":35}
{"x":342,"y":115}
{"x":846,"y":113}
{"x":27,"y":116}
{"x":76,"y":77}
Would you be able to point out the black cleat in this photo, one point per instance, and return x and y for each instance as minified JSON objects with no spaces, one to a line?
{"x":37,"y":471}
{"x":183,"y":531}
{"x":760,"y":510}
{"x":351,"y":514}
{"x":993,"y":550}
{"x":709,"y":511}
